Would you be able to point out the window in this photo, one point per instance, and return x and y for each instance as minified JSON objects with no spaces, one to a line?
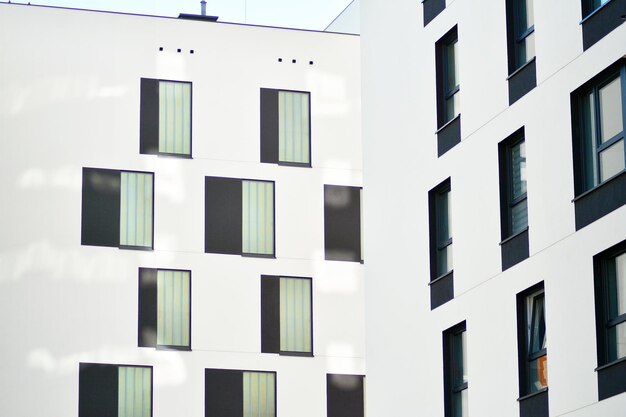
{"x":239,"y":216}
{"x":165,"y":308}
{"x":234,"y":393}
{"x":610,"y":297}
{"x":342,"y":223}
{"x":165,"y":117}
{"x":600,"y":17}
{"x":286,"y":315}
{"x":448,"y":102}
{"x":432,"y":8}
{"x":598,"y":118}
{"x":441,"y":274}
{"x":345,"y":395}
{"x":114,"y":390}
{"x":533,"y":357}
{"x":513,"y":199}
{"x":521,"y":48}
{"x":117,"y":208}
{"x":455,"y":371}
{"x":286,"y":127}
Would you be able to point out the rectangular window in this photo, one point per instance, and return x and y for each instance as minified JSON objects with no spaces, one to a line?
{"x":521,"y":48}
{"x":440,"y":209}
{"x":345,"y":395}
{"x":599,"y":18}
{"x":165,"y":308}
{"x":455,"y":371}
{"x":235,"y":393}
{"x":117,"y":208}
{"x":286,"y":127}
{"x":165,"y":117}
{"x":610,"y":297}
{"x":448,"y":97}
{"x":598,"y":119}
{"x":533,"y":356}
{"x":286,"y":315}
{"x":239,"y":216}
{"x":114,"y":390}
{"x":342,"y":223}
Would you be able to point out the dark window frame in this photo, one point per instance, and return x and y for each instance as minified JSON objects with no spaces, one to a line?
{"x":507,"y":200}
{"x":228,"y":390}
{"x":334,"y":233}
{"x":443,"y":45}
{"x":438,"y":245}
{"x":450,"y":366}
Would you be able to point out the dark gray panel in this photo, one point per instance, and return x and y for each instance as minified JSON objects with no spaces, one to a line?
{"x":147,"y":336}
{"x":223,"y":393}
{"x":100,"y":218}
{"x":222,"y":222}
{"x":522,"y":81}
{"x":97,"y":390}
{"x":270,"y":314}
{"x":534,"y":405}
{"x":612,"y":380}
{"x":342,"y":223}
{"x":514,"y":250}
{"x":603,"y":22}
{"x":432,"y":8}
{"x":269,"y":125}
{"x":344,"y":395}
{"x":149,"y":117}
{"x":600,"y":201}
{"x":442,"y":290}
{"x":448,"y":136}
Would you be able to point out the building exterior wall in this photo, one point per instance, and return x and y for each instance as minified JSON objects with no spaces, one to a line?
{"x":70,"y":87}
{"x":404,"y":337}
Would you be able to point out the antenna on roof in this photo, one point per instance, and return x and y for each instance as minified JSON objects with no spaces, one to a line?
{"x":203,"y":8}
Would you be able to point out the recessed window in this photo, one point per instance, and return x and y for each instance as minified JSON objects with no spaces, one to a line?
{"x":286,"y":315}
{"x":165,"y":117}
{"x":520,"y":24}
{"x":599,"y":18}
{"x":533,"y":354}
{"x":345,"y":396}
{"x":114,"y":390}
{"x":165,"y":308}
{"x":598,"y":119}
{"x":448,"y":96}
{"x":432,"y":8}
{"x":610,"y":297}
{"x":286,"y":127}
{"x":342,"y":223}
{"x":441,"y":254}
{"x":239,"y":216}
{"x":455,"y":371}
{"x":235,"y":393}
{"x":117,"y":208}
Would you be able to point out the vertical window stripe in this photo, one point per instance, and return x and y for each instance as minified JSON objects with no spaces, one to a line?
{"x":295,"y":315}
{"x":173,"y":308}
{"x":175,"y":117}
{"x":258,"y":217}
{"x":136,"y":209}
{"x":259,"y":394}
{"x":293,"y":127}
{"x":134,"y":392}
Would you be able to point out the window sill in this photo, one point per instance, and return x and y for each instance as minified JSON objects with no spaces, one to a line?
{"x":520,"y":69}
{"x":597,"y":187}
{"x":295,"y":164}
{"x":449,"y":122}
{"x":177,"y":348}
{"x":508,"y":239}
{"x":300,"y":354}
{"x":534,"y":394}
{"x":258,"y":255}
{"x":174,"y":155}
{"x":600,"y":200}
{"x":610,"y":365}
{"x":441,"y":277}
{"x":143,"y":248}
{"x":596,"y":11}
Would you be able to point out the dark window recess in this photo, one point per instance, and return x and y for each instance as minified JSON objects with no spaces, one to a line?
{"x":532,"y":352}
{"x":165,"y":125}
{"x":286,"y":127}
{"x":239,"y":217}
{"x":610,"y":299}
{"x":226,"y":391}
{"x":102,"y":390}
{"x":342,"y":223}
{"x":520,"y":26}
{"x":455,"y":371}
{"x":448,"y":103}
{"x":294,"y":296}
{"x":117,"y":208}
{"x":432,"y":8}
{"x":344,"y":395}
{"x":600,"y":17}
{"x":598,"y":119}
{"x":513,"y":199}
{"x":164,"y":293}
{"x":440,"y":225}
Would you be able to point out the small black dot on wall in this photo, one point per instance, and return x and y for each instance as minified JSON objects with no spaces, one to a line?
{"x":310,"y":62}
{"x":179,"y":50}
{"x":191,"y":51}
{"x":293,"y":61}
{"x":280,"y":60}
{"x":160,"y":48}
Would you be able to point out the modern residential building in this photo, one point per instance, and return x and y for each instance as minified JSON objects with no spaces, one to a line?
{"x":180,"y":218}
{"x":494,"y":131}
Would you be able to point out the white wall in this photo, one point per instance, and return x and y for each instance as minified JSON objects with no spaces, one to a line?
{"x":69,"y":88}
{"x":404,"y":337}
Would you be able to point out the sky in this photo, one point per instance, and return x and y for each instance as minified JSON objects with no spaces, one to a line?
{"x":303,"y":14}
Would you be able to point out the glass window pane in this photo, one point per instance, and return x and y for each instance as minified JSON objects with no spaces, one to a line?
{"x":444,"y":260}
{"x":589,"y":141}
{"x":134,"y":391}
{"x":453,"y":107}
{"x":175,"y":117}
{"x":293,"y":127}
{"x":617,"y":342}
{"x":459,"y":376}
{"x":173,"y":308}
{"x":451,"y":66}
{"x":538,"y":374}
{"x":611,"y":109}
{"x":518,"y":159}
{"x":519,"y":217}
{"x":259,"y":394}
{"x":442,"y":203}
{"x":538,"y":325}
{"x":612,"y":160}
{"x":295,"y":315}
{"x":616,"y":271}
{"x":136,"y":209}
{"x":530,"y":13}
{"x":258,"y":217}
{"x":459,"y":404}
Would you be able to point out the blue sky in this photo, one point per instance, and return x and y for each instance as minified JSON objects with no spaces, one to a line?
{"x":305,"y":14}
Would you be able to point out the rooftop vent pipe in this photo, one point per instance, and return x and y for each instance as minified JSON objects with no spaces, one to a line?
{"x":203,"y":8}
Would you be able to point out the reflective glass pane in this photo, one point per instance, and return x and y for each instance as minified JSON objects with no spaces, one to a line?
{"x":612,"y":160}
{"x":538,"y":325}
{"x":518,"y":159}
{"x":617,"y":342}
{"x":589,"y":141}
{"x":459,"y":371}
{"x":451,"y":66}
{"x":293,"y":127}
{"x":519,"y":217}
{"x":175,"y":117}
{"x":295,"y":315}
{"x":538,"y":375}
{"x":611,"y":109}
{"x":530,"y":13}
{"x":442,"y":203}
{"x":616,"y":271}
{"x":444,"y":260}
{"x":459,"y":404}
{"x":453,"y":106}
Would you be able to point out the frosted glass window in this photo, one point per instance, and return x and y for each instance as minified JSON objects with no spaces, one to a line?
{"x":175,"y":117}
{"x":293,"y":127}
{"x":259,"y":394}
{"x":136,"y":209}
{"x":135,"y":391}
{"x":258,"y":217}
{"x":173,"y":308}
{"x":295,"y":314}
